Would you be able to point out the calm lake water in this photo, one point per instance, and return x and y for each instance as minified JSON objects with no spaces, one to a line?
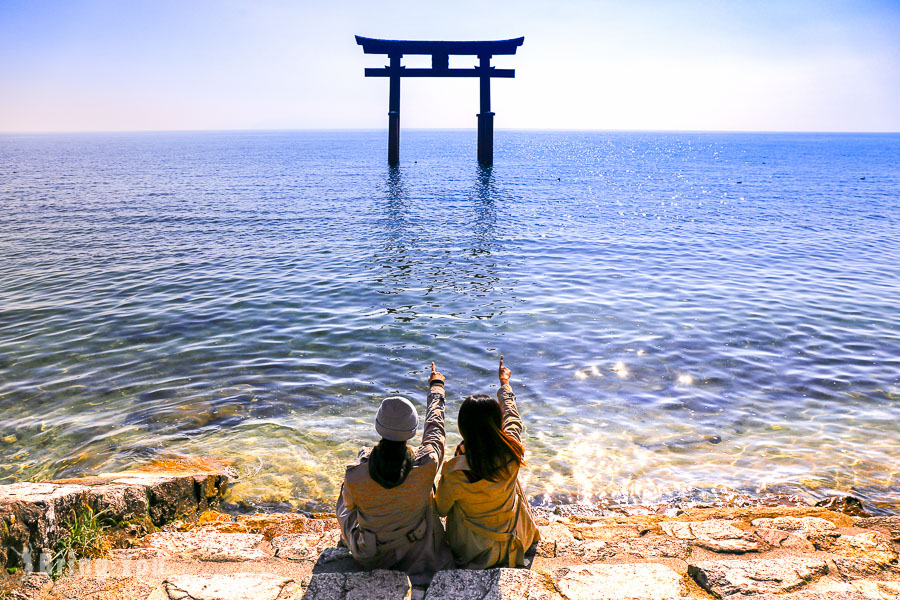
{"x":685,"y":315}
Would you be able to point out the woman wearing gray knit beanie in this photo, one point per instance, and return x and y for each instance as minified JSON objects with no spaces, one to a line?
{"x":386,"y":506}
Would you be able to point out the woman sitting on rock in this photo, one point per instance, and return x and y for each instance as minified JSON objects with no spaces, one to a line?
{"x":386,"y":507}
{"x":489,"y":523}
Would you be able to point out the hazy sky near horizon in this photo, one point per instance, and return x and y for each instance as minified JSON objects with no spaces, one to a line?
{"x":756,"y":65}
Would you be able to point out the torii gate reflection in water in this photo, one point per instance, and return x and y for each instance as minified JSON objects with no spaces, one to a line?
{"x":440,"y":67}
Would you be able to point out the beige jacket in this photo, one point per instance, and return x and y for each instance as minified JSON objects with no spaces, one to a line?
{"x":398,"y":528}
{"x":489,"y":523}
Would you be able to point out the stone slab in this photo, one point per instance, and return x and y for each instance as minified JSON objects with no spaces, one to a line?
{"x":820,"y":533}
{"x":718,"y":535}
{"x":210,"y":545}
{"x":491,"y":584}
{"x":302,"y":546}
{"x":871,"y":545}
{"x":371,"y":585}
{"x":889,"y":525}
{"x":757,"y":576}
{"x":240,"y":586}
{"x":642,"y":581}
{"x":99,"y":588}
{"x":607,"y":532}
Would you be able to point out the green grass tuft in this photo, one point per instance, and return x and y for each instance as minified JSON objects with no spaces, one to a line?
{"x":83,"y":537}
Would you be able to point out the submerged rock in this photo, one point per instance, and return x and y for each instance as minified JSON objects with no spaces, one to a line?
{"x":846,"y":504}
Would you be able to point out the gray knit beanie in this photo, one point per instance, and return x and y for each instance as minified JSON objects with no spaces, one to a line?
{"x":396,"y":419}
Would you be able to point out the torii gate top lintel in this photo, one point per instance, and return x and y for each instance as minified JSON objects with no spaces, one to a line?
{"x":440,"y":52}
{"x":492,"y":47}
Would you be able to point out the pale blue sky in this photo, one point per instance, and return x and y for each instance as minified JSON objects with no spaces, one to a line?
{"x":216,"y":64}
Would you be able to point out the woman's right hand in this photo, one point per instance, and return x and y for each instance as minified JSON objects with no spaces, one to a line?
{"x":435,"y":376}
{"x":503,"y":373}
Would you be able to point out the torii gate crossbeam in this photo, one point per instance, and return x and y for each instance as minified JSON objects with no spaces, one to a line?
{"x":440,"y":67}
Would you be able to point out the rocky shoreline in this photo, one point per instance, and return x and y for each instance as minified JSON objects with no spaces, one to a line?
{"x":170,"y":543}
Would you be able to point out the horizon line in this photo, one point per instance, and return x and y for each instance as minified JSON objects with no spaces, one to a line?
{"x":460,"y":129}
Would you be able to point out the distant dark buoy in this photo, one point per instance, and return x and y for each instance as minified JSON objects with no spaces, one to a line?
{"x":740,"y":182}
{"x":862,"y":178}
{"x":558,"y":179}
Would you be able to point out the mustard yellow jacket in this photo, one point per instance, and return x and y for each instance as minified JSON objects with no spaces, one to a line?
{"x":489,"y":523}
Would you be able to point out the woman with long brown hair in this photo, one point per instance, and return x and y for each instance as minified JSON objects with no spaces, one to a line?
{"x":489,"y":523}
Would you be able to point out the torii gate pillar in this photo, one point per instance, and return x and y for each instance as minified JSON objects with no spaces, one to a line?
{"x":440,"y":67}
{"x":485,"y":117}
{"x":394,"y":111}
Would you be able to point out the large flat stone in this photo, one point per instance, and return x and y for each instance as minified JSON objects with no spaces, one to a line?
{"x":889,"y":525}
{"x":757,"y":576}
{"x":492,"y":584}
{"x":607,"y":532}
{"x":820,"y":533}
{"x":303,"y":546}
{"x":372,"y":585}
{"x":644,"y":581}
{"x":99,"y":588}
{"x":868,"y":589}
{"x":870,"y":545}
{"x":555,"y":539}
{"x":211,"y":546}
{"x":828,"y":589}
{"x":558,"y":540}
{"x":656,"y":546}
{"x":718,"y":535}
{"x":240,"y":586}
{"x":863,"y":555}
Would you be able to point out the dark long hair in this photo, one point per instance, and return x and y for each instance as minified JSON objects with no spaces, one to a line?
{"x":390,"y":463}
{"x":489,"y":449}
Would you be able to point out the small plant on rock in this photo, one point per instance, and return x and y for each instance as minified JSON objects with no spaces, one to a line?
{"x":83,"y":537}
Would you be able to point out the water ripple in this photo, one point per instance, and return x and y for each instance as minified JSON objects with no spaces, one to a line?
{"x":682,"y":311}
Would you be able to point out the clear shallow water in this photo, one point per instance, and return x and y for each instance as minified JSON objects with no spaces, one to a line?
{"x":682,"y":312}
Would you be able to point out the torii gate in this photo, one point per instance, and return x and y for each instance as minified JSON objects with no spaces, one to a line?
{"x":440,"y":67}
